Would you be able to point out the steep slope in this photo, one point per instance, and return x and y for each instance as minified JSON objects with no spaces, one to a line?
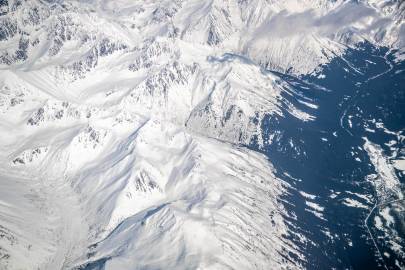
{"x":106,"y":135}
{"x":287,"y":35}
{"x":125,"y":154}
{"x":153,"y":191}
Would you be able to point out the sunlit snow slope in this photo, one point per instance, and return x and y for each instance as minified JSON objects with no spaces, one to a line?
{"x":123,"y":127}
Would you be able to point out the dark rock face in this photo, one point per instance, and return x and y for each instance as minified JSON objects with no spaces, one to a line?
{"x":327,"y":157}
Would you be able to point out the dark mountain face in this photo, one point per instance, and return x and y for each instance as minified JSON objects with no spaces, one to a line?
{"x":360,"y":222}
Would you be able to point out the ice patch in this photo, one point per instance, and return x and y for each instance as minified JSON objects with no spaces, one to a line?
{"x":353,"y":203}
{"x":399,"y":164}
{"x":307,"y":195}
{"x":386,"y":183}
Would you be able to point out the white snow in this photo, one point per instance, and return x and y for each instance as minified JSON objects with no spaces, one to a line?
{"x":307,"y":195}
{"x":386,"y":182}
{"x":399,"y":164}
{"x":123,"y":149}
{"x":121,"y":125}
{"x":315,"y":206}
{"x":354,"y":203}
{"x":315,"y":209}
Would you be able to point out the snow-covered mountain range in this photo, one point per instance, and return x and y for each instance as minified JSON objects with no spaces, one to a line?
{"x":124,"y":126}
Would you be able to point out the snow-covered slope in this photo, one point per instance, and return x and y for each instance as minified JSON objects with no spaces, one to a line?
{"x":142,"y":193}
{"x":294,"y":35}
{"x":122,"y":126}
